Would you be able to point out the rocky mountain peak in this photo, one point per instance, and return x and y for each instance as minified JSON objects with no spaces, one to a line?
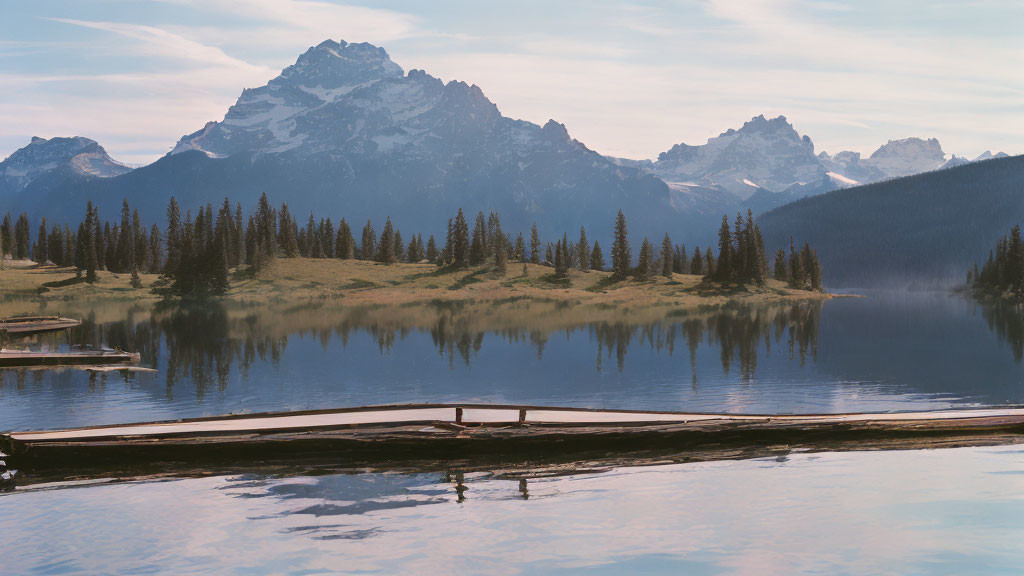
{"x":73,"y":155}
{"x":908,"y":156}
{"x":333,"y":64}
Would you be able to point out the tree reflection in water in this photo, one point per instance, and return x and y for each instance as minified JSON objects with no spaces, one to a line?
{"x":204,"y":342}
{"x":1007,"y":321}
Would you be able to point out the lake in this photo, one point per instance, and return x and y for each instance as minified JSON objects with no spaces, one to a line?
{"x":936,"y":511}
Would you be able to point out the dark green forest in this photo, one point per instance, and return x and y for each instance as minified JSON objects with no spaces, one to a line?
{"x":922,"y":230}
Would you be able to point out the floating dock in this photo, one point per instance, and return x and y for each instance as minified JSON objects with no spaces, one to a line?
{"x":27,"y":325}
{"x":73,"y":357}
{"x":446,"y":431}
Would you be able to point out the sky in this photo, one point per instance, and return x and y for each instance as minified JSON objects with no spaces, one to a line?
{"x":627,"y":79}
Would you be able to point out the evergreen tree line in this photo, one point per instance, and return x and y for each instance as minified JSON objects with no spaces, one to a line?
{"x":1004,"y":269}
{"x":196,"y":250}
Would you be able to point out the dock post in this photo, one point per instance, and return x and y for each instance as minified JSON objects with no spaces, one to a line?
{"x":458,"y":415}
{"x":522,"y":415}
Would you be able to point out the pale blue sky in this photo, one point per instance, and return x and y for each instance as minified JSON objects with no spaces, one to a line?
{"x":628,"y":79}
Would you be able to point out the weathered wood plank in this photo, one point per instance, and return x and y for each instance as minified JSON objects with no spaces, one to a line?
{"x":25,"y":358}
{"x":402,"y":431}
{"x":25,"y":325}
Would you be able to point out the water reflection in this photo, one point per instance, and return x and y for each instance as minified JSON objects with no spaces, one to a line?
{"x":883,"y":352}
{"x":205,"y":342}
{"x":1007,"y":321}
{"x":862,"y":512}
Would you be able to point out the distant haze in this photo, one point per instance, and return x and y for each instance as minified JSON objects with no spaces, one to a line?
{"x":629,"y":81}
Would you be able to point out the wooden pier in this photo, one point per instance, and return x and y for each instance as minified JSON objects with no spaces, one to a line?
{"x":446,"y":431}
{"x":28,"y":325}
{"x":73,"y":357}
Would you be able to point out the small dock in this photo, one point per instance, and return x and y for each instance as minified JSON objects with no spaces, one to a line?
{"x":396,"y":432}
{"x":73,"y":357}
{"x":28,"y":325}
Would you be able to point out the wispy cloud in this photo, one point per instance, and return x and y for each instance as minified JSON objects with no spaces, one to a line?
{"x":159,"y":42}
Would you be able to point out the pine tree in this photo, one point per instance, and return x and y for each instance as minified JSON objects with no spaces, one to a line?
{"x":519,"y":251}
{"x":141,"y":241}
{"x":584,"y":249}
{"x":42,"y":252}
{"x":253,"y":253}
{"x":155,"y":249}
{"x":796,"y":271}
{"x":368,"y":247}
{"x":815,"y":271}
{"x":431,"y":249}
{"x":621,"y":257}
{"x":22,"y":238}
{"x":780,"y":272}
{"x":534,"y":245}
{"x":89,"y":248}
{"x":108,"y":243}
{"x":266,"y":230}
{"x":219,"y":252}
{"x":238,"y":243}
{"x":7,"y":235}
{"x":399,"y":246}
{"x":760,"y":256}
{"x":288,"y":233}
{"x":562,"y":259}
{"x":327,"y":238}
{"x":500,"y":248}
{"x":723,"y":267}
{"x":738,"y":258}
{"x":460,"y":241}
{"x":56,"y":245}
{"x":549,"y":255}
{"x":667,"y":257}
{"x":477,"y":249}
{"x":312,"y":241}
{"x":124,"y":253}
{"x":346,"y":244}
{"x":174,"y":235}
{"x":386,"y":246}
{"x":80,"y":244}
{"x":70,"y":246}
{"x":597,"y":258}
{"x":697,"y":262}
{"x":645,"y":263}
{"x":709,"y":264}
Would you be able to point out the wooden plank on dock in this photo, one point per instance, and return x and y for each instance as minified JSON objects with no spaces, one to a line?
{"x":425,"y":423}
{"x":23,"y":358}
{"x":26,"y":325}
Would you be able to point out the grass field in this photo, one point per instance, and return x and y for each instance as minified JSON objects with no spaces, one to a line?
{"x":356,"y":282}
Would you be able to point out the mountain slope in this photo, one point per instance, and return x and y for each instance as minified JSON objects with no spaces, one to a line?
{"x":922,"y":229}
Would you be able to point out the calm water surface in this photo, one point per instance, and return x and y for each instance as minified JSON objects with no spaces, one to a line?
{"x":948,"y":511}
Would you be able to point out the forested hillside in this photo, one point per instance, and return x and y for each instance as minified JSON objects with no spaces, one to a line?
{"x":921,"y":230}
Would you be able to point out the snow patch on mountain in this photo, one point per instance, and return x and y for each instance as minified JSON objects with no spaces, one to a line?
{"x":842,"y":179}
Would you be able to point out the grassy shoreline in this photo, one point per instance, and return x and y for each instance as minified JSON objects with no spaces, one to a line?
{"x":362,"y":283}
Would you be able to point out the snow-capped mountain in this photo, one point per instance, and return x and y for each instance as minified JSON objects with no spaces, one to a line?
{"x":57,"y":158}
{"x":766,"y":163}
{"x":345,"y":132}
{"x":907,"y":156}
{"x":763,"y":153}
{"x":988,"y":155}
